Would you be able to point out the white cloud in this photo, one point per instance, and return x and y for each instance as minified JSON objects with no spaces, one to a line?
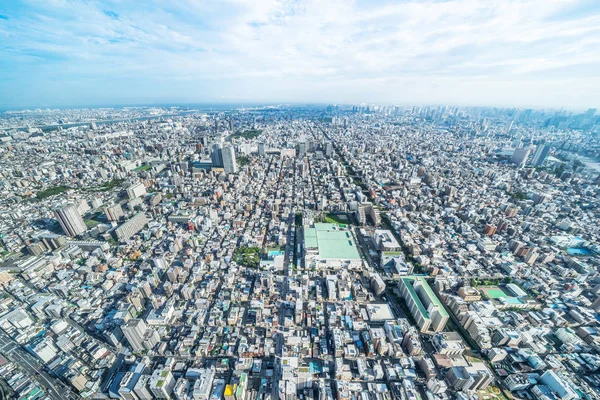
{"x":459,"y":51}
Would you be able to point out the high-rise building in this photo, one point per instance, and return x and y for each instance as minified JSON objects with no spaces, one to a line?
{"x":329,"y":149}
{"x":541,"y":152}
{"x":162,"y":383}
{"x":135,"y":191}
{"x":131,"y":227}
{"x":520,"y":155}
{"x":261,"y":149}
{"x":229,"y":162}
{"x":70,"y":220}
{"x":216,"y":156}
{"x":151,"y":339}
{"x":134,"y":332}
{"x":141,"y":388}
{"x":425,"y":307}
{"x":301,"y":148}
{"x":129,"y":382}
{"x":114,"y":212}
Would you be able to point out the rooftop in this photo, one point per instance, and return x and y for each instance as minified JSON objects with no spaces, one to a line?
{"x":332,"y":241}
{"x":410,"y":281}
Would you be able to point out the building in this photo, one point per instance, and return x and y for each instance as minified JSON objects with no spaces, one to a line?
{"x":425,"y":307}
{"x":367,"y":209}
{"x":448,"y":343}
{"x":89,"y":245}
{"x":436,"y":386}
{"x":44,"y":349}
{"x":131,"y":227}
{"x":151,"y":339}
{"x":114,"y":212}
{"x":469,"y":294}
{"x":128,"y":383}
{"x":496,"y":355}
{"x":203,"y":385}
{"x":301,"y":149}
{"x":520,"y":155}
{"x":329,"y":149}
{"x":377,"y":284}
{"x":330,"y":246}
{"x":161,"y":383}
{"x":385,"y":241}
{"x":141,"y":388}
{"x":261,"y":149}
{"x":70,"y":220}
{"x":459,"y":378}
{"x":558,"y":385}
{"x":135,"y":191}
{"x":229,"y":162}
{"x":216,"y":156}
{"x":541,"y":152}
{"x":218,"y":389}
{"x":182,"y":388}
{"x":134,"y":332}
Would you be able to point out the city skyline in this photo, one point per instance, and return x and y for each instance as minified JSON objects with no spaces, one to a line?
{"x":536,"y":54}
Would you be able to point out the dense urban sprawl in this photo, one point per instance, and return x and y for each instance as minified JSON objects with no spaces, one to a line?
{"x":347,"y":252}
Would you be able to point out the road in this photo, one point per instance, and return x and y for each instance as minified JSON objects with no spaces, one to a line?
{"x":284,"y":288}
{"x":55,"y":389}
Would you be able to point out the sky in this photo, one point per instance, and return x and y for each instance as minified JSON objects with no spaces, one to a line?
{"x":522,"y":53}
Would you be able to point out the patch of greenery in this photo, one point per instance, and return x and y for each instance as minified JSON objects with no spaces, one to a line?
{"x":109,"y":185}
{"x":142,"y":168}
{"x":336,"y":219}
{"x":51,"y":192}
{"x":519,"y":195}
{"x":90,"y":223}
{"x":475,"y":282}
{"x":248,"y":134}
{"x":113,"y":183}
{"x":247,"y":256}
{"x":241,"y":161}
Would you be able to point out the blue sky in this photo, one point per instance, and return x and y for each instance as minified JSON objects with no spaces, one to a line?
{"x":539,"y":53}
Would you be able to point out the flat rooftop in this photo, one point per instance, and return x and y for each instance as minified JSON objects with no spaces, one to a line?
{"x":333,"y":241}
{"x":379,"y":312}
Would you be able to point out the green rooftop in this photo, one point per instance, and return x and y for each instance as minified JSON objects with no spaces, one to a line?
{"x":332,"y":241}
{"x":409,"y":282}
{"x":310,"y":238}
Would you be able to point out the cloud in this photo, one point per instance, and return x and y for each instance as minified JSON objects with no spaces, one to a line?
{"x":500,"y":52}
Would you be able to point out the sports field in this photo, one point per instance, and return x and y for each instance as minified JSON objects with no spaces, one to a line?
{"x":493,"y":292}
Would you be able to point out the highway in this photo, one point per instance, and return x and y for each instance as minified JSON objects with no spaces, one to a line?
{"x":54,"y":388}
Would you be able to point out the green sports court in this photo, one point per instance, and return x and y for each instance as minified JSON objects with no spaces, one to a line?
{"x":493,"y":292}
